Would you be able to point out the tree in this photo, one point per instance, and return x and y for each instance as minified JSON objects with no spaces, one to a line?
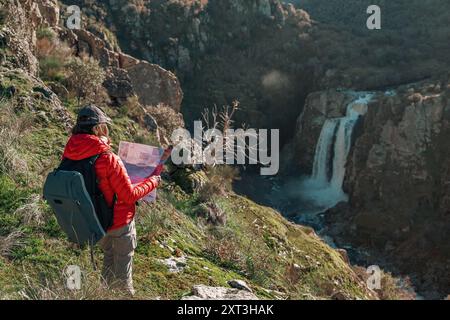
{"x":84,"y":78}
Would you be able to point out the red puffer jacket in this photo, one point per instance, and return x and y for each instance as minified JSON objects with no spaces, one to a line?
{"x":112,"y":176}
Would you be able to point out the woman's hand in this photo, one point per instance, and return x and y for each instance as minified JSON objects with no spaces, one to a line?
{"x":156,"y":179}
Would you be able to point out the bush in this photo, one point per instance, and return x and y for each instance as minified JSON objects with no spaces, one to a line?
{"x":52,"y":55}
{"x":85,"y":78}
{"x":223,"y":248}
{"x":153,"y":222}
{"x":220,"y":182}
{"x":167,"y":119}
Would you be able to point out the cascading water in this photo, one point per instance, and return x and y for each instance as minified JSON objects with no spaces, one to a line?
{"x":323,"y":190}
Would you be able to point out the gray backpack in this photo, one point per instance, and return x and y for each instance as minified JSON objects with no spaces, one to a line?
{"x":80,"y":208}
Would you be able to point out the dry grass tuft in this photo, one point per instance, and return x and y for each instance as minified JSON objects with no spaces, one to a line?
{"x":12,"y":129}
{"x":11,"y":241}
{"x":31,"y":212}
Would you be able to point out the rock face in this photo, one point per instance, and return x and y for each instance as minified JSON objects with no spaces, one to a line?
{"x":18,"y":34}
{"x":18,"y":31}
{"x":202,"y":292}
{"x":398,"y":182}
{"x":127,"y":76}
{"x":397,"y":178}
{"x":155,"y":85}
{"x":218,"y":49}
{"x":319,"y":106}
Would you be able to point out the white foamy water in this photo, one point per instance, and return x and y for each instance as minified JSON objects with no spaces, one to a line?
{"x":323,"y":190}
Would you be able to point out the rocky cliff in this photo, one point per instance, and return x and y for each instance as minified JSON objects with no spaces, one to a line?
{"x":396,"y":178}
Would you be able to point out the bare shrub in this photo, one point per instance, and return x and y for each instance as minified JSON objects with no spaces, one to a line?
{"x":223,"y":247}
{"x":293,"y":274}
{"x":52,"y":55}
{"x":222,"y":120}
{"x":212,"y":214}
{"x":392,"y":288}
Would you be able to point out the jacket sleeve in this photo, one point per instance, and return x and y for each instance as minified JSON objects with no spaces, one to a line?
{"x":121,"y":182}
{"x":158,"y":170}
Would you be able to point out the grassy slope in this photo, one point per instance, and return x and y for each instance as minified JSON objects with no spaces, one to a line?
{"x":257,"y":244}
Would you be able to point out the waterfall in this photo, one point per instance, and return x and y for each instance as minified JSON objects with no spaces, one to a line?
{"x":323,"y":190}
{"x":322,"y":155}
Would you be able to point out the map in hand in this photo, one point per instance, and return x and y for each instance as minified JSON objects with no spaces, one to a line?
{"x":140,"y":162}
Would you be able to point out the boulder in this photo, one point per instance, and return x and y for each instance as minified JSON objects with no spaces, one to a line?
{"x":50,"y":12}
{"x":92,"y":45}
{"x":239,"y":284}
{"x":118,"y":84}
{"x":175,"y":264}
{"x":155,"y":85}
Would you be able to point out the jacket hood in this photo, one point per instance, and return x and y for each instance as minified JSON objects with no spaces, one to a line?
{"x":83,"y":146}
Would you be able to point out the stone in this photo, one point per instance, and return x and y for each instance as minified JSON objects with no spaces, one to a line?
{"x":202,"y":292}
{"x":126,"y":61}
{"x":92,"y":45}
{"x":118,"y":84}
{"x":150,"y":123}
{"x":175,"y":264}
{"x":50,"y":12}
{"x":239,"y":284}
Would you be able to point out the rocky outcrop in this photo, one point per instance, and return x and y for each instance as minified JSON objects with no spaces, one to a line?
{"x":50,"y":12}
{"x":18,"y":34}
{"x":31,"y":94}
{"x":127,"y":76}
{"x":20,"y":21}
{"x":201,"y":292}
{"x":155,"y":85}
{"x":118,"y":84}
{"x":397,"y":178}
{"x":398,"y":182}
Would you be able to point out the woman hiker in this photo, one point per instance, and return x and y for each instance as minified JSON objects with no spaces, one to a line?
{"x":90,"y":137}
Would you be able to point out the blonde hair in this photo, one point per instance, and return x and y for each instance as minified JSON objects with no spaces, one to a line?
{"x":101,"y":130}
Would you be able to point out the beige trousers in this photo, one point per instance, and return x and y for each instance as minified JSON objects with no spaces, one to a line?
{"x":118,"y":247}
